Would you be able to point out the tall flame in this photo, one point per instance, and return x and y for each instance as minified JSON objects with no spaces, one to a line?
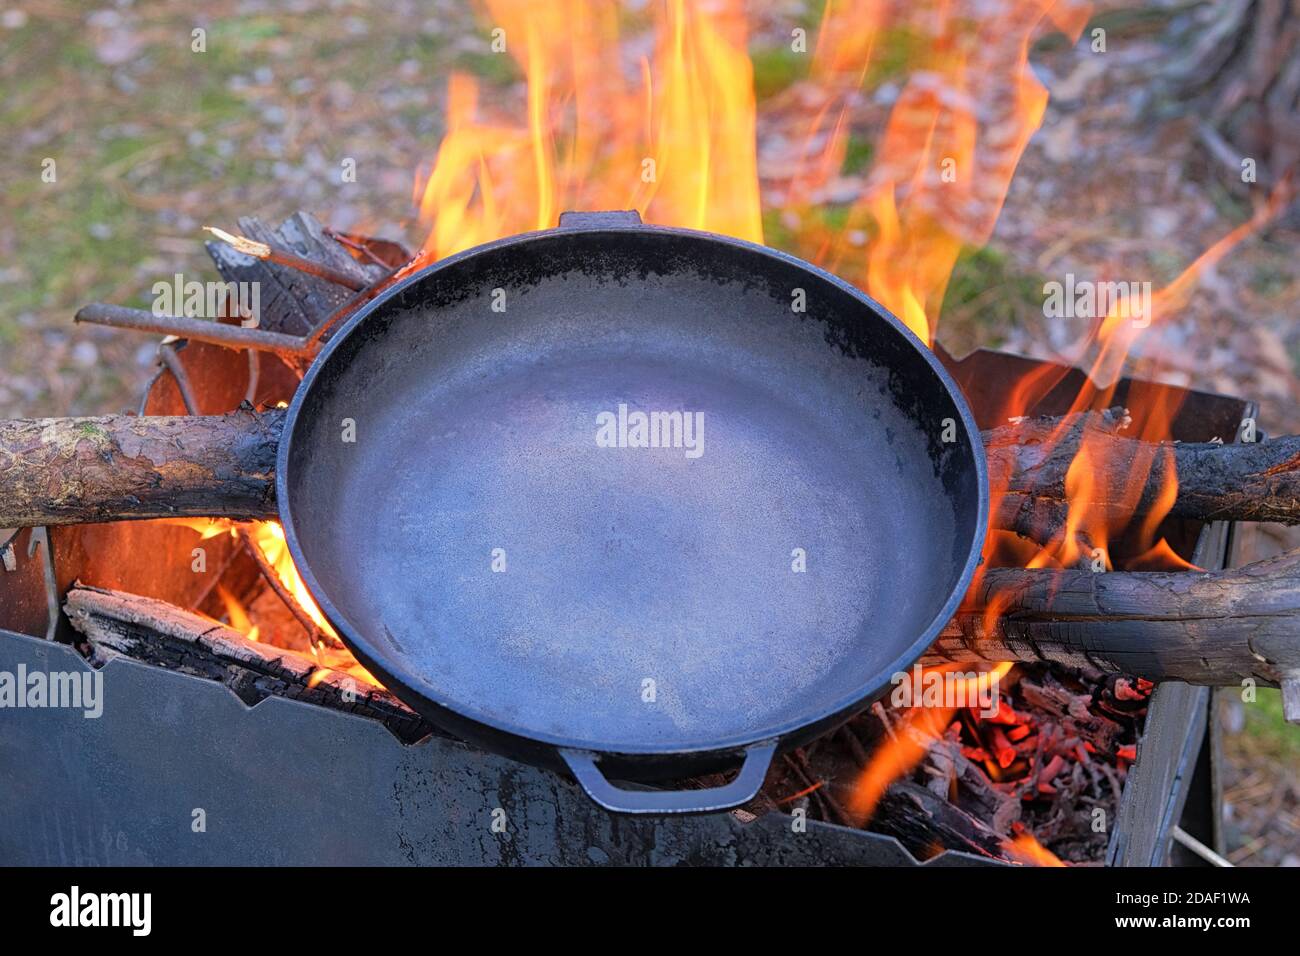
{"x":950,"y":147}
{"x":908,"y":743}
{"x":670,"y":135}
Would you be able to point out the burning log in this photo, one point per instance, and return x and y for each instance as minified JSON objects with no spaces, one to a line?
{"x":116,"y":624}
{"x":974,"y":791}
{"x":83,"y":470}
{"x":920,"y":819}
{"x":1253,"y":481}
{"x":1217,"y":628}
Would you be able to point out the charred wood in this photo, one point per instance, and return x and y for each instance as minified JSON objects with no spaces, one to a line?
{"x":919,"y":820}
{"x":154,"y":632}
{"x":1216,"y":628}
{"x":1029,"y":461}
{"x":294,"y":302}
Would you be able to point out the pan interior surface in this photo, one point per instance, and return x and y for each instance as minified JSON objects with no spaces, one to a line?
{"x":497,"y":535}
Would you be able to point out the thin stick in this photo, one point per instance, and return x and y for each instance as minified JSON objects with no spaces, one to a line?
{"x":799,"y":764}
{"x":172,"y":362}
{"x":260,"y":250}
{"x":314,"y":337}
{"x":314,"y":633}
{"x":344,"y":239}
{"x":198,"y":330}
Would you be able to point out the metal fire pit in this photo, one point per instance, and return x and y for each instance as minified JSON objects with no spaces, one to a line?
{"x":180,"y":771}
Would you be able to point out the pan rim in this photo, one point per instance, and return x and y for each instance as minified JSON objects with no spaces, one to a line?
{"x":421,"y":696}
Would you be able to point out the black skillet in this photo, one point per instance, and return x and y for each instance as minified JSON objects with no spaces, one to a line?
{"x":497,"y":548}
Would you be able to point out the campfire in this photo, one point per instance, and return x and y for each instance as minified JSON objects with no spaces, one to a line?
{"x":1099,"y":577}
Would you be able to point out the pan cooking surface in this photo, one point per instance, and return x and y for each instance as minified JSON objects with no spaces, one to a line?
{"x":482,"y":535}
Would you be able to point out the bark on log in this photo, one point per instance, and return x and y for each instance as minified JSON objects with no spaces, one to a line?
{"x":85,"y":470}
{"x":1216,"y":628}
{"x":293,"y":302}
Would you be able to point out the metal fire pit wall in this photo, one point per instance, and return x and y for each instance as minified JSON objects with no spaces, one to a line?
{"x":179,"y":771}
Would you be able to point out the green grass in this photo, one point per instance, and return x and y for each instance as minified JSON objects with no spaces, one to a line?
{"x":897,"y":50}
{"x":978,"y":270}
{"x":243,"y":34}
{"x":986,"y":296}
{"x":497,"y":68}
{"x":858,"y":153}
{"x":121,"y":127}
{"x":775,"y":233}
{"x":79,"y":56}
{"x":776,"y":68}
{"x":1165,"y":266}
{"x":779,"y":236}
{"x":1269,"y":279}
{"x":1268,"y":729}
{"x":122,"y":148}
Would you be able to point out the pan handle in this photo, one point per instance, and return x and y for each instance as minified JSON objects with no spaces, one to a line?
{"x":605,"y":219}
{"x":747,"y":783}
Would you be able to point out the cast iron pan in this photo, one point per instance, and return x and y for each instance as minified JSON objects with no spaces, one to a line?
{"x":563,"y":596}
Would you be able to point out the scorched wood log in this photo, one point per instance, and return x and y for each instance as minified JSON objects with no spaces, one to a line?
{"x":116,"y":624}
{"x":1029,"y":461}
{"x":1218,"y":628}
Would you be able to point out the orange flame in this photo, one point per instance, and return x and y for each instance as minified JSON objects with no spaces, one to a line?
{"x":951,"y":145}
{"x":910,"y":740}
{"x":1025,"y":849}
{"x":678,"y":146}
{"x":1160,"y":557}
{"x":1098,"y":515}
{"x":268,"y":538}
{"x":239,"y":619}
{"x":672,"y":135}
{"x":916,"y":732}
